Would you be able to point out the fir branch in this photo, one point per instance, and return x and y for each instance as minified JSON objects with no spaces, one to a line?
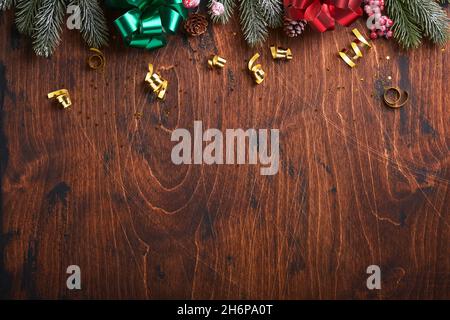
{"x":26,"y":11}
{"x":430,"y":18}
{"x":94,"y":28}
{"x":443,"y":2}
{"x":414,"y":19}
{"x":6,"y":4}
{"x":405,"y":30}
{"x":229,"y":6}
{"x":273,"y":12}
{"x":47,"y":28}
{"x":253,"y":23}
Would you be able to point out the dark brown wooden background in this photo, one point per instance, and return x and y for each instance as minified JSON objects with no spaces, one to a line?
{"x":359,"y":183}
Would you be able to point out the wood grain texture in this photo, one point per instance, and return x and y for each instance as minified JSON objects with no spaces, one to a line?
{"x":359,"y":184}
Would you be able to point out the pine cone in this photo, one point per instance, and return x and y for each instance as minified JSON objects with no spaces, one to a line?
{"x":196,"y":24}
{"x":294,"y":28}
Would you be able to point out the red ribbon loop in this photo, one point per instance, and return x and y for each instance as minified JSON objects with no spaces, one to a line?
{"x":322,"y":14}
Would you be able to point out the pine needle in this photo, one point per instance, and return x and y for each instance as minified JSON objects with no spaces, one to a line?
{"x":6,"y":4}
{"x":26,"y":11}
{"x":405,"y":30}
{"x":94,"y":28}
{"x":253,"y":23}
{"x":48,"y":26}
{"x":414,"y":19}
{"x":229,"y":6}
{"x":431,"y":18}
{"x":273,"y":12}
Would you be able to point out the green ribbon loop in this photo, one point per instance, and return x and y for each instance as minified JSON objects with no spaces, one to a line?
{"x":147,"y":22}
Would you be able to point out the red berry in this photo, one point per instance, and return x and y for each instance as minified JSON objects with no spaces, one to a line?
{"x":373,"y":35}
{"x":189,"y":4}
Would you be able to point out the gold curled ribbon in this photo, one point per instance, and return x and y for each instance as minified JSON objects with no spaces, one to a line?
{"x":356,"y":48}
{"x":401,"y":99}
{"x":347,"y":59}
{"x":281,"y":53}
{"x":96,"y":60}
{"x":216,"y":61}
{"x":156,"y":82}
{"x":360,"y":37}
{"x":62,"y":96}
{"x":256,"y":69}
{"x":357,"y":44}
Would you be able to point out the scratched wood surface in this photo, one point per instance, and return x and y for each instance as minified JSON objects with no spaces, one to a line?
{"x":359,"y":184}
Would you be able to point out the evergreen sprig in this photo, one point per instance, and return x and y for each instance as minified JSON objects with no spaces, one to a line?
{"x":6,"y":4}
{"x":415,"y":19}
{"x":229,"y":6}
{"x":26,"y":11}
{"x":433,"y":20}
{"x":405,"y":30}
{"x":253,"y":23}
{"x":94,"y":28}
{"x":48,"y":27}
{"x":273,"y":12}
{"x":256,"y":17}
{"x":43,"y":20}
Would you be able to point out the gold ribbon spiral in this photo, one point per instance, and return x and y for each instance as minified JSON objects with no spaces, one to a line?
{"x":96,"y":60}
{"x":62,"y":96}
{"x":357,"y":44}
{"x":281,"y":53}
{"x":399,"y":101}
{"x":256,"y":69}
{"x":156,"y":82}
{"x":217,"y":62}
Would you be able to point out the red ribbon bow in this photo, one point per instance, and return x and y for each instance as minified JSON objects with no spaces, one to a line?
{"x":322,"y":14}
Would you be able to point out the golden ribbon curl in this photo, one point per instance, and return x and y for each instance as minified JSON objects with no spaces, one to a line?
{"x":156,"y":82}
{"x":256,"y":69}
{"x":401,"y":99}
{"x":357,"y":44}
{"x":96,"y":60}
{"x":281,"y":53}
{"x":62,"y":96}
{"x":216,"y":62}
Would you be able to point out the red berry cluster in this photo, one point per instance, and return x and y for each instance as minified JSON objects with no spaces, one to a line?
{"x":382,"y":26}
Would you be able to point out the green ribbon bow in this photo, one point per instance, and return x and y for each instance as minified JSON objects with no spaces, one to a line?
{"x":147,"y":22}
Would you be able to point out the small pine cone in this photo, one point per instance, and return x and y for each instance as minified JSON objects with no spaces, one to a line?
{"x":196,"y":24}
{"x":293,"y":28}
